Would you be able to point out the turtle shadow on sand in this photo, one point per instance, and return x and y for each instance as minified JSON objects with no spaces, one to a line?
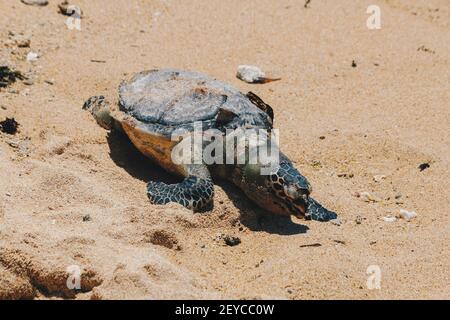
{"x":126,"y":156}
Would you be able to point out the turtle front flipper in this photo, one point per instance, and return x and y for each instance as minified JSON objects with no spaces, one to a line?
{"x":195,"y":192}
{"x":315,"y":211}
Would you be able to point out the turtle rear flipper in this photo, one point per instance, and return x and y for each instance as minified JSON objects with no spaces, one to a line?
{"x":195,"y":192}
{"x":98,"y":106}
{"x":315,"y":211}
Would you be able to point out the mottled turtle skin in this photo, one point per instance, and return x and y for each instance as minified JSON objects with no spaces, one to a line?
{"x":155,"y":105}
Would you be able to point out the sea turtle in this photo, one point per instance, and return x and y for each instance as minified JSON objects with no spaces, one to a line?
{"x":156,"y":105}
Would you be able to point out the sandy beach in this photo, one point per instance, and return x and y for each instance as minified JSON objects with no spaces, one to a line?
{"x":358,"y":109}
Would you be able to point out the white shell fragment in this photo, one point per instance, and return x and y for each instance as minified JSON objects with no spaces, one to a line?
{"x":367,"y":197}
{"x":389,"y":219}
{"x":407,"y":215}
{"x":252,"y":74}
{"x":378,"y":177}
{"x":32,"y":56}
{"x":336,"y":222}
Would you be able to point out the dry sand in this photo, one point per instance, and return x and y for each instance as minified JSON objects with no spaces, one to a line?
{"x":70,"y":194}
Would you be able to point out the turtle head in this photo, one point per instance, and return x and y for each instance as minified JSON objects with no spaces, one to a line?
{"x":285,"y":191}
{"x":99,"y":108}
{"x":290,"y":190}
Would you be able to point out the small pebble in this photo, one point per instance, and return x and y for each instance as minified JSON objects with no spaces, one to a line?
{"x":407,"y":215}
{"x":32,"y":56}
{"x":28,"y":82}
{"x":218,"y":237}
{"x":87,"y":218}
{"x":424,"y":166}
{"x":354,"y":65}
{"x":231,"y":241}
{"x":358,"y":220}
{"x":389,"y":219}
{"x":367,"y":197}
{"x":379,"y":177}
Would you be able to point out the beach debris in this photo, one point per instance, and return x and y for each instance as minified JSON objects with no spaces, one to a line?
{"x":358,"y":219}
{"x":227,"y":239}
{"x":307,"y":2}
{"x":424,"y":166}
{"x":354,"y":65}
{"x":50,"y":81}
{"x":253,"y":74}
{"x":407,"y":215}
{"x":40,"y":3}
{"x":9,"y":76}
{"x":339,"y":241}
{"x":425,"y":49}
{"x":32,"y":56}
{"x":368,"y":197}
{"x":379,"y":177}
{"x":336,"y":222}
{"x":345,"y":175}
{"x":86,"y":218}
{"x":389,"y":218}
{"x":316,"y":244}
{"x":398,"y":195}
{"x":231,"y":240}
{"x":315,"y":164}
{"x":68,"y":9}
{"x":9,"y":126}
